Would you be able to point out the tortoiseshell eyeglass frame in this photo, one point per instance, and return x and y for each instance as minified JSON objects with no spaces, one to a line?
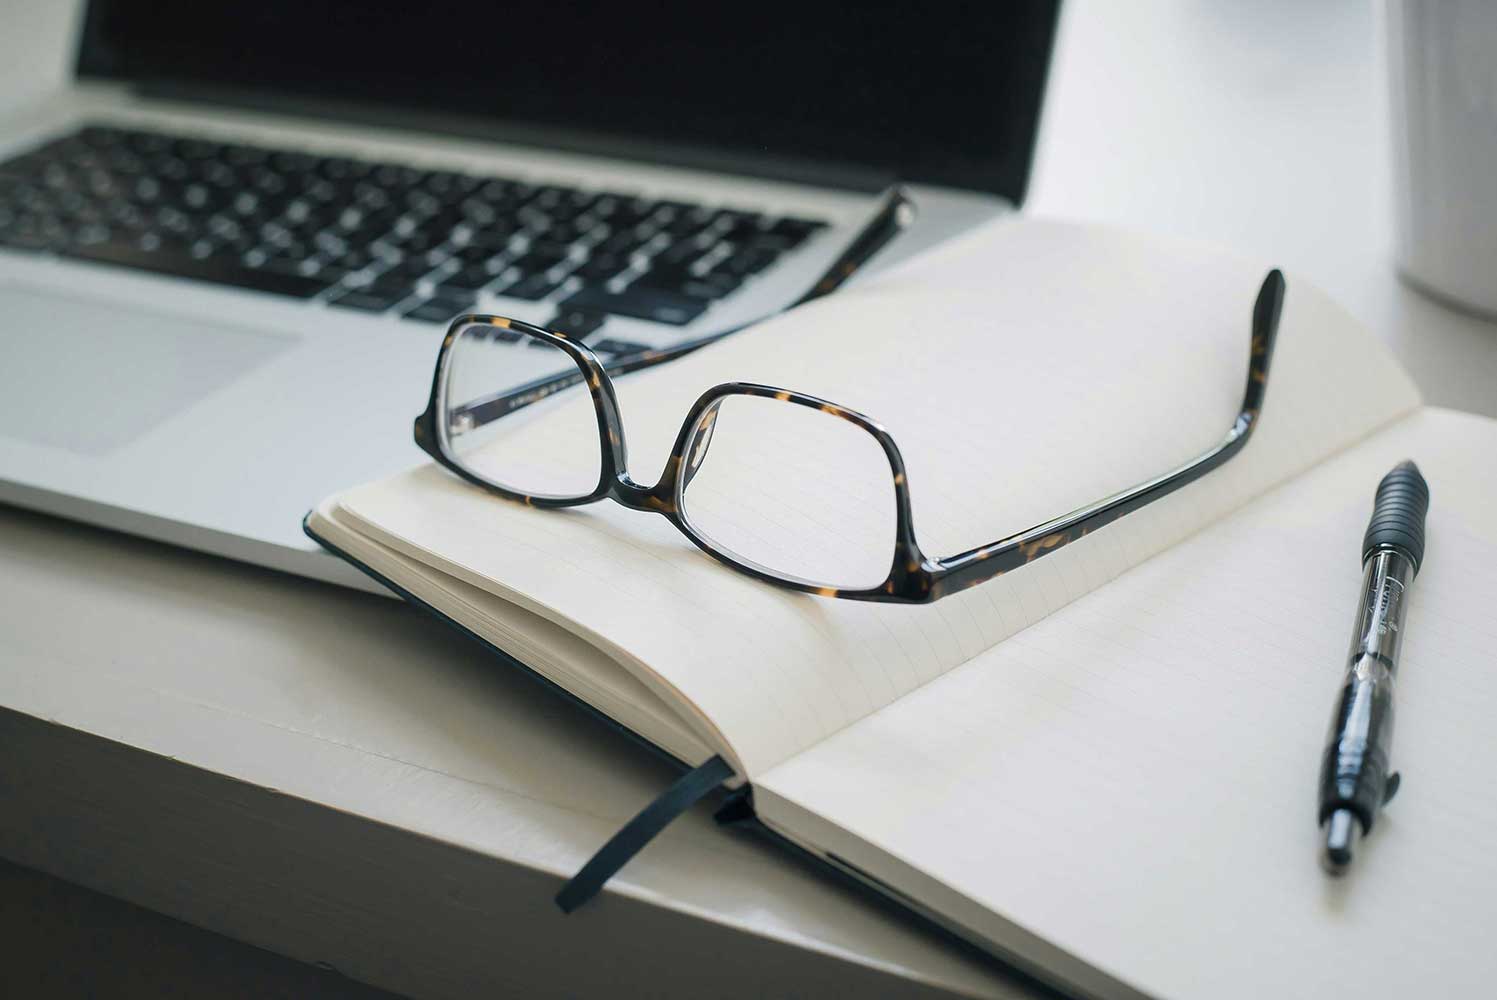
{"x":913,"y":577}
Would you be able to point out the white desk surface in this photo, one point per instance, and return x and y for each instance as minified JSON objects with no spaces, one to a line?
{"x":288,"y":763}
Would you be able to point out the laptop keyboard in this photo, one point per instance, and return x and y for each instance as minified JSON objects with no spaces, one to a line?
{"x":372,"y":236}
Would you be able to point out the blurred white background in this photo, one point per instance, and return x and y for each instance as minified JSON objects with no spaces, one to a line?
{"x":1259,"y":125}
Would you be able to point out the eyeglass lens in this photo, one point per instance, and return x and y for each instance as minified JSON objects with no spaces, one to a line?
{"x":798,"y":491}
{"x":550,"y":448}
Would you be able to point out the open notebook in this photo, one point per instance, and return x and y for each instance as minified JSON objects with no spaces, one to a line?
{"x":1100,"y":767}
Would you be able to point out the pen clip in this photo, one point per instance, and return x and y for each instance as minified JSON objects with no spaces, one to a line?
{"x":1391,"y":786}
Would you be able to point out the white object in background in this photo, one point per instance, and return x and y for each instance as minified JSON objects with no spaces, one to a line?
{"x":1442,"y":57}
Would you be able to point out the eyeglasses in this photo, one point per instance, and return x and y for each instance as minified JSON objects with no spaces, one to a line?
{"x":741,"y":451}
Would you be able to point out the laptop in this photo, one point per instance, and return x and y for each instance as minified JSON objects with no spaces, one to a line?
{"x":230,"y":246}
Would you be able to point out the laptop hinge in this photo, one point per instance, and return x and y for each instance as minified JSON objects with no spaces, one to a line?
{"x":841,"y":176}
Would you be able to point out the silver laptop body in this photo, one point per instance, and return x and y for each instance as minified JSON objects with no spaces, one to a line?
{"x":220,"y":299}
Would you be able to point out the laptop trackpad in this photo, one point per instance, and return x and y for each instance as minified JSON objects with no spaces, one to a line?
{"x":91,"y":378}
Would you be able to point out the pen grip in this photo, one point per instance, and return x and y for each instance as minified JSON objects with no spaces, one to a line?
{"x":1398,"y":514}
{"x":1354,"y":768}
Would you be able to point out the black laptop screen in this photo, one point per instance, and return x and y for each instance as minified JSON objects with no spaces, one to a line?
{"x":942,"y":92}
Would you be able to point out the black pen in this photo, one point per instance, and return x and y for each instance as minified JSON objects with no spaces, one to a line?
{"x":1355,"y":782}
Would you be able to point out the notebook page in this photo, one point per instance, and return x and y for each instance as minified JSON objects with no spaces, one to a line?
{"x":553,"y":652}
{"x":1024,"y":370}
{"x":1133,"y":780}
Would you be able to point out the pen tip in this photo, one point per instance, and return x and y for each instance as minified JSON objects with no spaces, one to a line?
{"x":1342,"y":830}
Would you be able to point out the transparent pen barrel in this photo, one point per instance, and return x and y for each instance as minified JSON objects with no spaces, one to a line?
{"x":1378,"y":632}
{"x":1354,"y":771}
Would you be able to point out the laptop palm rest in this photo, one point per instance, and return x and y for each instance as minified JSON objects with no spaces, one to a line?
{"x":89,"y":378}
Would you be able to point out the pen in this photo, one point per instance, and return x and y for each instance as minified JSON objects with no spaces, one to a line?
{"x":1355,"y":782}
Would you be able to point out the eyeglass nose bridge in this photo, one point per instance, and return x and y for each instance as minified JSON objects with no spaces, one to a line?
{"x":658,"y":498}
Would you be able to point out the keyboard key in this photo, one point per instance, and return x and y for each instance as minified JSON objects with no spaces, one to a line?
{"x":601,"y":204}
{"x":584,"y":229}
{"x":473,"y":254}
{"x":624,"y":243}
{"x":450,"y":184}
{"x":685,"y":281}
{"x":365,"y":300}
{"x":351,"y":260}
{"x":685,"y":253}
{"x":538,"y":261}
{"x":337,"y":168}
{"x":422,"y":240}
{"x":215,"y":269}
{"x":533,"y":288}
{"x":395,"y":175}
{"x":724,"y":280}
{"x":440,"y":309}
{"x":794,"y":230}
{"x":470,"y":278}
{"x":734,"y":225}
{"x":687,"y":223}
{"x":626,"y":213}
{"x":551,"y":196}
{"x":640,"y":303}
{"x":576,"y":323}
{"x":391,"y":286}
{"x":407,"y":272}
{"x":618,"y":348}
{"x":312,"y":267}
{"x":750,"y":260}
{"x":601,"y":267}
{"x":493,"y":238}
{"x":693,"y":288}
{"x":500,"y":191}
{"x":549,"y":247}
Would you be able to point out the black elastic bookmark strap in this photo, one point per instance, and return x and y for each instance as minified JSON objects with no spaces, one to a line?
{"x":640,"y":830}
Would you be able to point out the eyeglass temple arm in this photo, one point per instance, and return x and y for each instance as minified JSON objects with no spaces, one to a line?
{"x":894,"y":214}
{"x":977,"y":565}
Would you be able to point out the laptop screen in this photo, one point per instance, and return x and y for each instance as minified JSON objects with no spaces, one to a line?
{"x":941,"y":92}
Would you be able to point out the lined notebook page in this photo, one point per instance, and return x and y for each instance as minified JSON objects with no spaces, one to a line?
{"x":1133,"y":780}
{"x":1024,"y":370}
{"x":549,"y":649}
